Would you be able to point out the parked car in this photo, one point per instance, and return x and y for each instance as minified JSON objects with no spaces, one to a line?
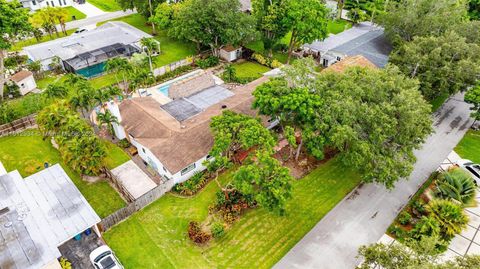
{"x":472,"y":168}
{"x":104,"y":258}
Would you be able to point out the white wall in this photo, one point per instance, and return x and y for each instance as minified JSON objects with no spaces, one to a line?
{"x":36,"y":4}
{"x":117,"y":128}
{"x":27,"y":85}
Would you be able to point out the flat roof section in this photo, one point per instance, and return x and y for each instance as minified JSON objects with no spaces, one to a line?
{"x":209,"y":97}
{"x":181,"y":109}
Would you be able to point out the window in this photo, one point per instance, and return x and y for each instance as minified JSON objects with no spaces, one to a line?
{"x":143,"y":150}
{"x":48,"y":4}
{"x":187,"y":169}
{"x":60,"y":2}
{"x":208,"y":157}
{"x":339,"y":58}
{"x":64,"y":2}
{"x":53,"y":4}
{"x":34,"y":3}
{"x":164,"y":169}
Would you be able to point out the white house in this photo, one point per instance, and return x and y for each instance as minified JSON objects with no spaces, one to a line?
{"x":38,"y":4}
{"x":230,"y":53}
{"x":25,"y":81}
{"x":37,"y":215}
{"x":363,"y":39}
{"x":175,"y":138}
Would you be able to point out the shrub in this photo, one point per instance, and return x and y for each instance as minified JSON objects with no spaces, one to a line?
{"x":218,"y":230}
{"x":418,"y":208}
{"x":272,"y":63}
{"x":124,"y":143}
{"x":171,"y":74}
{"x":65,"y":264}
{"x":260,"y":59}
{"x":230,"y":74}
{"x":208,"y":62}
{"x":231,"y":204}
{"x":426,"y":226}
{"x":449,"y":215}
{"x":457,"y":185}
{"x":404,"y":218}
{"x":196,"y":234}
{"x":192,"y":185}
{"x":276,"y":64}
{"x":396,"y":231}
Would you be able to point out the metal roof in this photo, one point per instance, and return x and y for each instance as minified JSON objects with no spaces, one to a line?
{"x":41,"y":212}
{"x":103,"y":36}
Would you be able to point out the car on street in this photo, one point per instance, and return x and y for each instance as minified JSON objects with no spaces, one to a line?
{"x":80,"y":30}
{"x":472,"y":168}
{"x":104,"y":258}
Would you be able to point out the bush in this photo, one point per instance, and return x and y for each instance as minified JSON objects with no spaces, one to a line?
{"x":179,"y":71}
{"x":124,"y":143}
{"x":396,"y":231}
{"x":404,"y":218}
{"x":272,"y":63}
{"x":196,"y":234}
{"x":218,"y":230}
{"x":231,"y":204}
{"x":418,"y":208}
{"x":457,"y":185}
{"x":192,"y":185}
{"x":275,"y":64}
{"x":449,"y":215}
{"x":208,"y":62}
{"x":426,"y":226}
{"x":65,"y":264}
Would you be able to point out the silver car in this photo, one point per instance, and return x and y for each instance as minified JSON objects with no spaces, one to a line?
{"x":104,"y":258}
{"x":472,"y":168}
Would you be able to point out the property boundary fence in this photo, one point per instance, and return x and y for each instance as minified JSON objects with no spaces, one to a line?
{"x":119,"y":186}
{"x":135,"y":206}
{"x":18,"y":125}
{"x":170,"y":67}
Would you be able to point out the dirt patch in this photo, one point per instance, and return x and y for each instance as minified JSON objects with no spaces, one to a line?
{"x":305,"y":164}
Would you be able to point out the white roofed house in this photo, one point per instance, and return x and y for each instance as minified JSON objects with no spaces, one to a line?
{"x":38,"y":4}
{"x":86,"y":53}
{"x":25,"y":81}
{"x":364,"y":39}
{"x":37,"y":215}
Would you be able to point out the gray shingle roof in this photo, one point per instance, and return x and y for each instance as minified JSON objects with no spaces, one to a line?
{"x":41,"y":212}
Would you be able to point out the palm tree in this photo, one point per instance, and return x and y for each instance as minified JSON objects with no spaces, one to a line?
{"x":150,"y":46}
{"x":456,"y":185}
{"x":104,"y":94}
{"x":73,"y":80}
{"x":449,"y":215}
{"x":107,"y":118}
{"x":54,"y":91}
{"x":426,"y":226}
{"x":61,"y":15}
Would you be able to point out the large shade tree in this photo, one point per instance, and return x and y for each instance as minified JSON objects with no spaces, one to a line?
{"x":443,"y":64}
{"x":212,"y":23}
{"x":13,"y":24}
{"x":406,"y":19}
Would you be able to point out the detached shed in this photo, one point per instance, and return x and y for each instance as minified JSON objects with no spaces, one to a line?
{"x":37,"y":215}
{"x":230,"y":53}
{"x":25,"y":81}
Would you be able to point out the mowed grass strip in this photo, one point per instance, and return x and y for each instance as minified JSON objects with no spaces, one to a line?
{"x":156,"y":237}
{"x":27,"y":152}
{"x":469,"y":146}
{"x":106,"y":5}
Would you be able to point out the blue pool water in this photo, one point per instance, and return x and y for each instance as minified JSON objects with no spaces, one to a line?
{"x":164,"y":89}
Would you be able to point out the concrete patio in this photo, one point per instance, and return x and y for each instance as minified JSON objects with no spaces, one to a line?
{"x":134,"y":179}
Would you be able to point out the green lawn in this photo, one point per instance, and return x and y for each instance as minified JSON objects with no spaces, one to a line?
{"x":115,"y":155}
{"x":438,"y":102}
{"x":156,"y":236}
{"x":74,"y":12}
{"x":469,"y":146}
{"x":338,"y":26}
{"x":32,"y":41}
{"x":106,"y":5}
{"x":172,"y":49}
{"x":28,"y":152}
{"x":250,"y":70}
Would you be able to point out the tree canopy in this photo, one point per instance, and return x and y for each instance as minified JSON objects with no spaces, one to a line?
{"x":443,"y":64}
{"x":473,"y":97}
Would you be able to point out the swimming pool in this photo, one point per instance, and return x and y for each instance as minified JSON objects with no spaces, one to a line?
{"x":164,"y":87}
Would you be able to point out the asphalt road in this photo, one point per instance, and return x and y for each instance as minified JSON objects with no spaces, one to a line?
{"x":96,"y":19}
{"x":365,"y":214}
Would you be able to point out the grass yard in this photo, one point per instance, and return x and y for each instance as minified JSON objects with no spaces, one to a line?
{"x":172,"y":49}
{"x":106,"y":5}
{"x":250,"y":70}
{"x":338,"y":26}
{"x":156,"y":237}
{"x":74,"y":12}
{"x":115,"y":155}
{"x":438,"y":102}
{"x":32,"y":41}
{"x":27,"y":153}
{"x":469,"y":146}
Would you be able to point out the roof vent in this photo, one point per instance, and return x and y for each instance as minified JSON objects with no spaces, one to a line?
{"x":224,"y":106}
{"x":182,"y":126}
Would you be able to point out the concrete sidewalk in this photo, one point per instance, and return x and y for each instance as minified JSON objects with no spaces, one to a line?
{"x":364,"y":215}
{"x":92,"y":21}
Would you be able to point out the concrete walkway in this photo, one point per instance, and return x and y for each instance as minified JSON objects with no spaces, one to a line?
{"x":88,"y":9}
{"x":92,"y":21}
{"x":364,"y":215}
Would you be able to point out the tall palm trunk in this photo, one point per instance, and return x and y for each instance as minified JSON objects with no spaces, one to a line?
{"x":154,"y":32}
{"x":3,"y":52}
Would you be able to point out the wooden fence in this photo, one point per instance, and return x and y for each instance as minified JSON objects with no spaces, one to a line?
{"x":18,"y":125}
{"x":119,"y":186}
{"x":135,"y":206}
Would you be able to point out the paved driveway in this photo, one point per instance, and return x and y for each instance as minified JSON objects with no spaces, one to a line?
{"x":92,"y":21}
{"x":363,"y":216}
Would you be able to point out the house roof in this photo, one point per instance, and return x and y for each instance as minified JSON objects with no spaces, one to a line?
{"x":229,"y":48}
{"x":110,"y":33}
{"x":40,"y":213}
{"x":363,"y":39}
{"x":357,"y":60}
{"x":21,"y":76}
{"x":178,"y":144}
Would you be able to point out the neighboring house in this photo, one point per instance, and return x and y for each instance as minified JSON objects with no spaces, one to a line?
{"x":38,"y":4}
{"x":175,"y":138}
{"x":86,"y":53}
{"x":230,"y":53}
{"x":37,"y":215}
{"x":363,"y":39}
{"x":25,"y":81}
